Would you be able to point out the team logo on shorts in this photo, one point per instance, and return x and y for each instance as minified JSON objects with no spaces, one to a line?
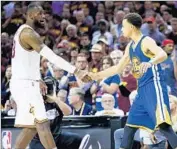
{"x":6,"y":139}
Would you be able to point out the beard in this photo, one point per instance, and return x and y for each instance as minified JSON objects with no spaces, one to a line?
{"x":37,"y":24}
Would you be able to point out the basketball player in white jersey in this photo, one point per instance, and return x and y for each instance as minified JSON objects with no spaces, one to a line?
{"x":25,"y":83}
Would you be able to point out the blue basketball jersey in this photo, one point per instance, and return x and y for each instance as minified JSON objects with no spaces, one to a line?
{"x":137,"y":56}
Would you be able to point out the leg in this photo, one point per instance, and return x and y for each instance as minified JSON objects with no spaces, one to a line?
{"x":160,"y":145}
{"x":36,"y":144}
{"x":45,"y":135}
{"x":128,"y":137}
{"x":118,"y":135}
{"x":24,"y":138}
{"x":169,"y":134}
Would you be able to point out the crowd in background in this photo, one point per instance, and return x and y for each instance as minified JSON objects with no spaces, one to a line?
{"x":89,"y":36}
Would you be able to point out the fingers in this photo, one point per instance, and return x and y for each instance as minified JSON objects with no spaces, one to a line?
{"x":144,"y":67}
{"x":86,"y":78}
{"x":153,"y":139}
{"x":43,"y":88}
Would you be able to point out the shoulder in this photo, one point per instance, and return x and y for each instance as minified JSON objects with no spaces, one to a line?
{"x":147,"y":40}
{"x":26,"y":33}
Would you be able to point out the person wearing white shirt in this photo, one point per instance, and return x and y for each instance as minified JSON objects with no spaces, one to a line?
{"x":103,"y":27}
{"x":108,"y":102}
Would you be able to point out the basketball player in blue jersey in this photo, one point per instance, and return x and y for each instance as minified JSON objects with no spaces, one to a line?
{"x":150,"y":109}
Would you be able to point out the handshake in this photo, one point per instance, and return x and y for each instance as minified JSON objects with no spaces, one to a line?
{"x":85,"y":76}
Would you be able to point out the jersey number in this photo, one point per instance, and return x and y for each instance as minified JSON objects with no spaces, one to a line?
{"x":13,"y":49}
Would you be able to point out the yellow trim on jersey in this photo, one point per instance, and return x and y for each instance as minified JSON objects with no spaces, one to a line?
{"x":158,"y":120}
{"x":166,"y":116}
{"x":25,"y":126}
{"x":40,"y":121}
{"x":140,"y":127}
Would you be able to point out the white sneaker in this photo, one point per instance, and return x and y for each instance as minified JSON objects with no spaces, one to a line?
{"x":84,"y":142}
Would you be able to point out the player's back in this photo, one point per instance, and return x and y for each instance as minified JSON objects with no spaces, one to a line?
{"x":25,"y":62}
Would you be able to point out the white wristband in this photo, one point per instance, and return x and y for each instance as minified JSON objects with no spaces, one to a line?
{"x":56,"y":60}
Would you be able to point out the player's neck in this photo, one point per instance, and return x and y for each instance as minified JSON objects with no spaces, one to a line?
{"x":31,"y":24}
{"x":136,"y":36}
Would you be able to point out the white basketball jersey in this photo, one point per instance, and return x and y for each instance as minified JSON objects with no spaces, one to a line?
{"x":25,"y":64}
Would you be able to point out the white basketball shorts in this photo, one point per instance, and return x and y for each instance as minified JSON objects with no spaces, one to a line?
{"x":30,"y":103}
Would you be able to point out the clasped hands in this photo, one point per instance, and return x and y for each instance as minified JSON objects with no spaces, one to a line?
{"x":84,"y":75}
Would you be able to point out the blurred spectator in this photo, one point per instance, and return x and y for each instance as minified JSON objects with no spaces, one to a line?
{"x":126,"y":10}
{"x":10,"y":108}
{"x":76,"y":100}
{"x":108,"y":85}
{"x":61,"y":80}
{"x":62,"y":94}
{"x":163,"y":8}
{"x":121,"y":43}
{"x":55,"y":29}
{"x":103,"y":31}
{"x":166,"y":14}
{"x":173,"y":34}
{"x":101,"y":7}
{"x":104,"y":43}
{"x":169,"y":67}
{"x":139,"y":8}
{"x":116,"y":55}
{"x":150,"y":29}
{"x":85,"y":42}
{"x":9,"y":9}
{"x":116,"y":30}
{"x":130,"y":5}
{"x":173,"y":109}
{"x":88,"y":18}
{"x":5,"y":90}
{"x":72,"y":35}
{"x":98,"y":17}
{"x":96,"y":55}
{"x":81,"y":25}
{"x":12,"y":23}
{"x":74,"y":53}
{"x":63,"y":34}
{"x":44,"y":67}
{"x":128,"y":82}
{"x":82,"y":64}
{"x":162,"y":25}
{"x":148,"y":5}
{"x":6,"y":48}
{"x":108,"y":103}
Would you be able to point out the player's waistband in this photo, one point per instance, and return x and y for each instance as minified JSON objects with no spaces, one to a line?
{"x":33,"y":80}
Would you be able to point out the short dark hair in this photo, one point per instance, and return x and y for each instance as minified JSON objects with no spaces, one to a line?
{"x":33,"y":5}
{"x":135,"y":19}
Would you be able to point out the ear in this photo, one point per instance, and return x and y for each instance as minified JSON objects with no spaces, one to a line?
{"x":31,"y":16}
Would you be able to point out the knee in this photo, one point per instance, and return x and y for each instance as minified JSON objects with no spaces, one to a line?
{"x":43,"y":127}
{"x":29,"y":130}
{"x":118,"y":134}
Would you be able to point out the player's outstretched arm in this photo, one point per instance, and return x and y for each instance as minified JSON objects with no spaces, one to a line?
{"x":117,"y":69}
{"x":31,"y":39}
{"x":159,"y":53}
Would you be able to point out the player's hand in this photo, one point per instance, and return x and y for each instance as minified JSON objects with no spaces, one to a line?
{"x":144,"y":67}
{"x":82,"y":75}
{"x":43,"y":87}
